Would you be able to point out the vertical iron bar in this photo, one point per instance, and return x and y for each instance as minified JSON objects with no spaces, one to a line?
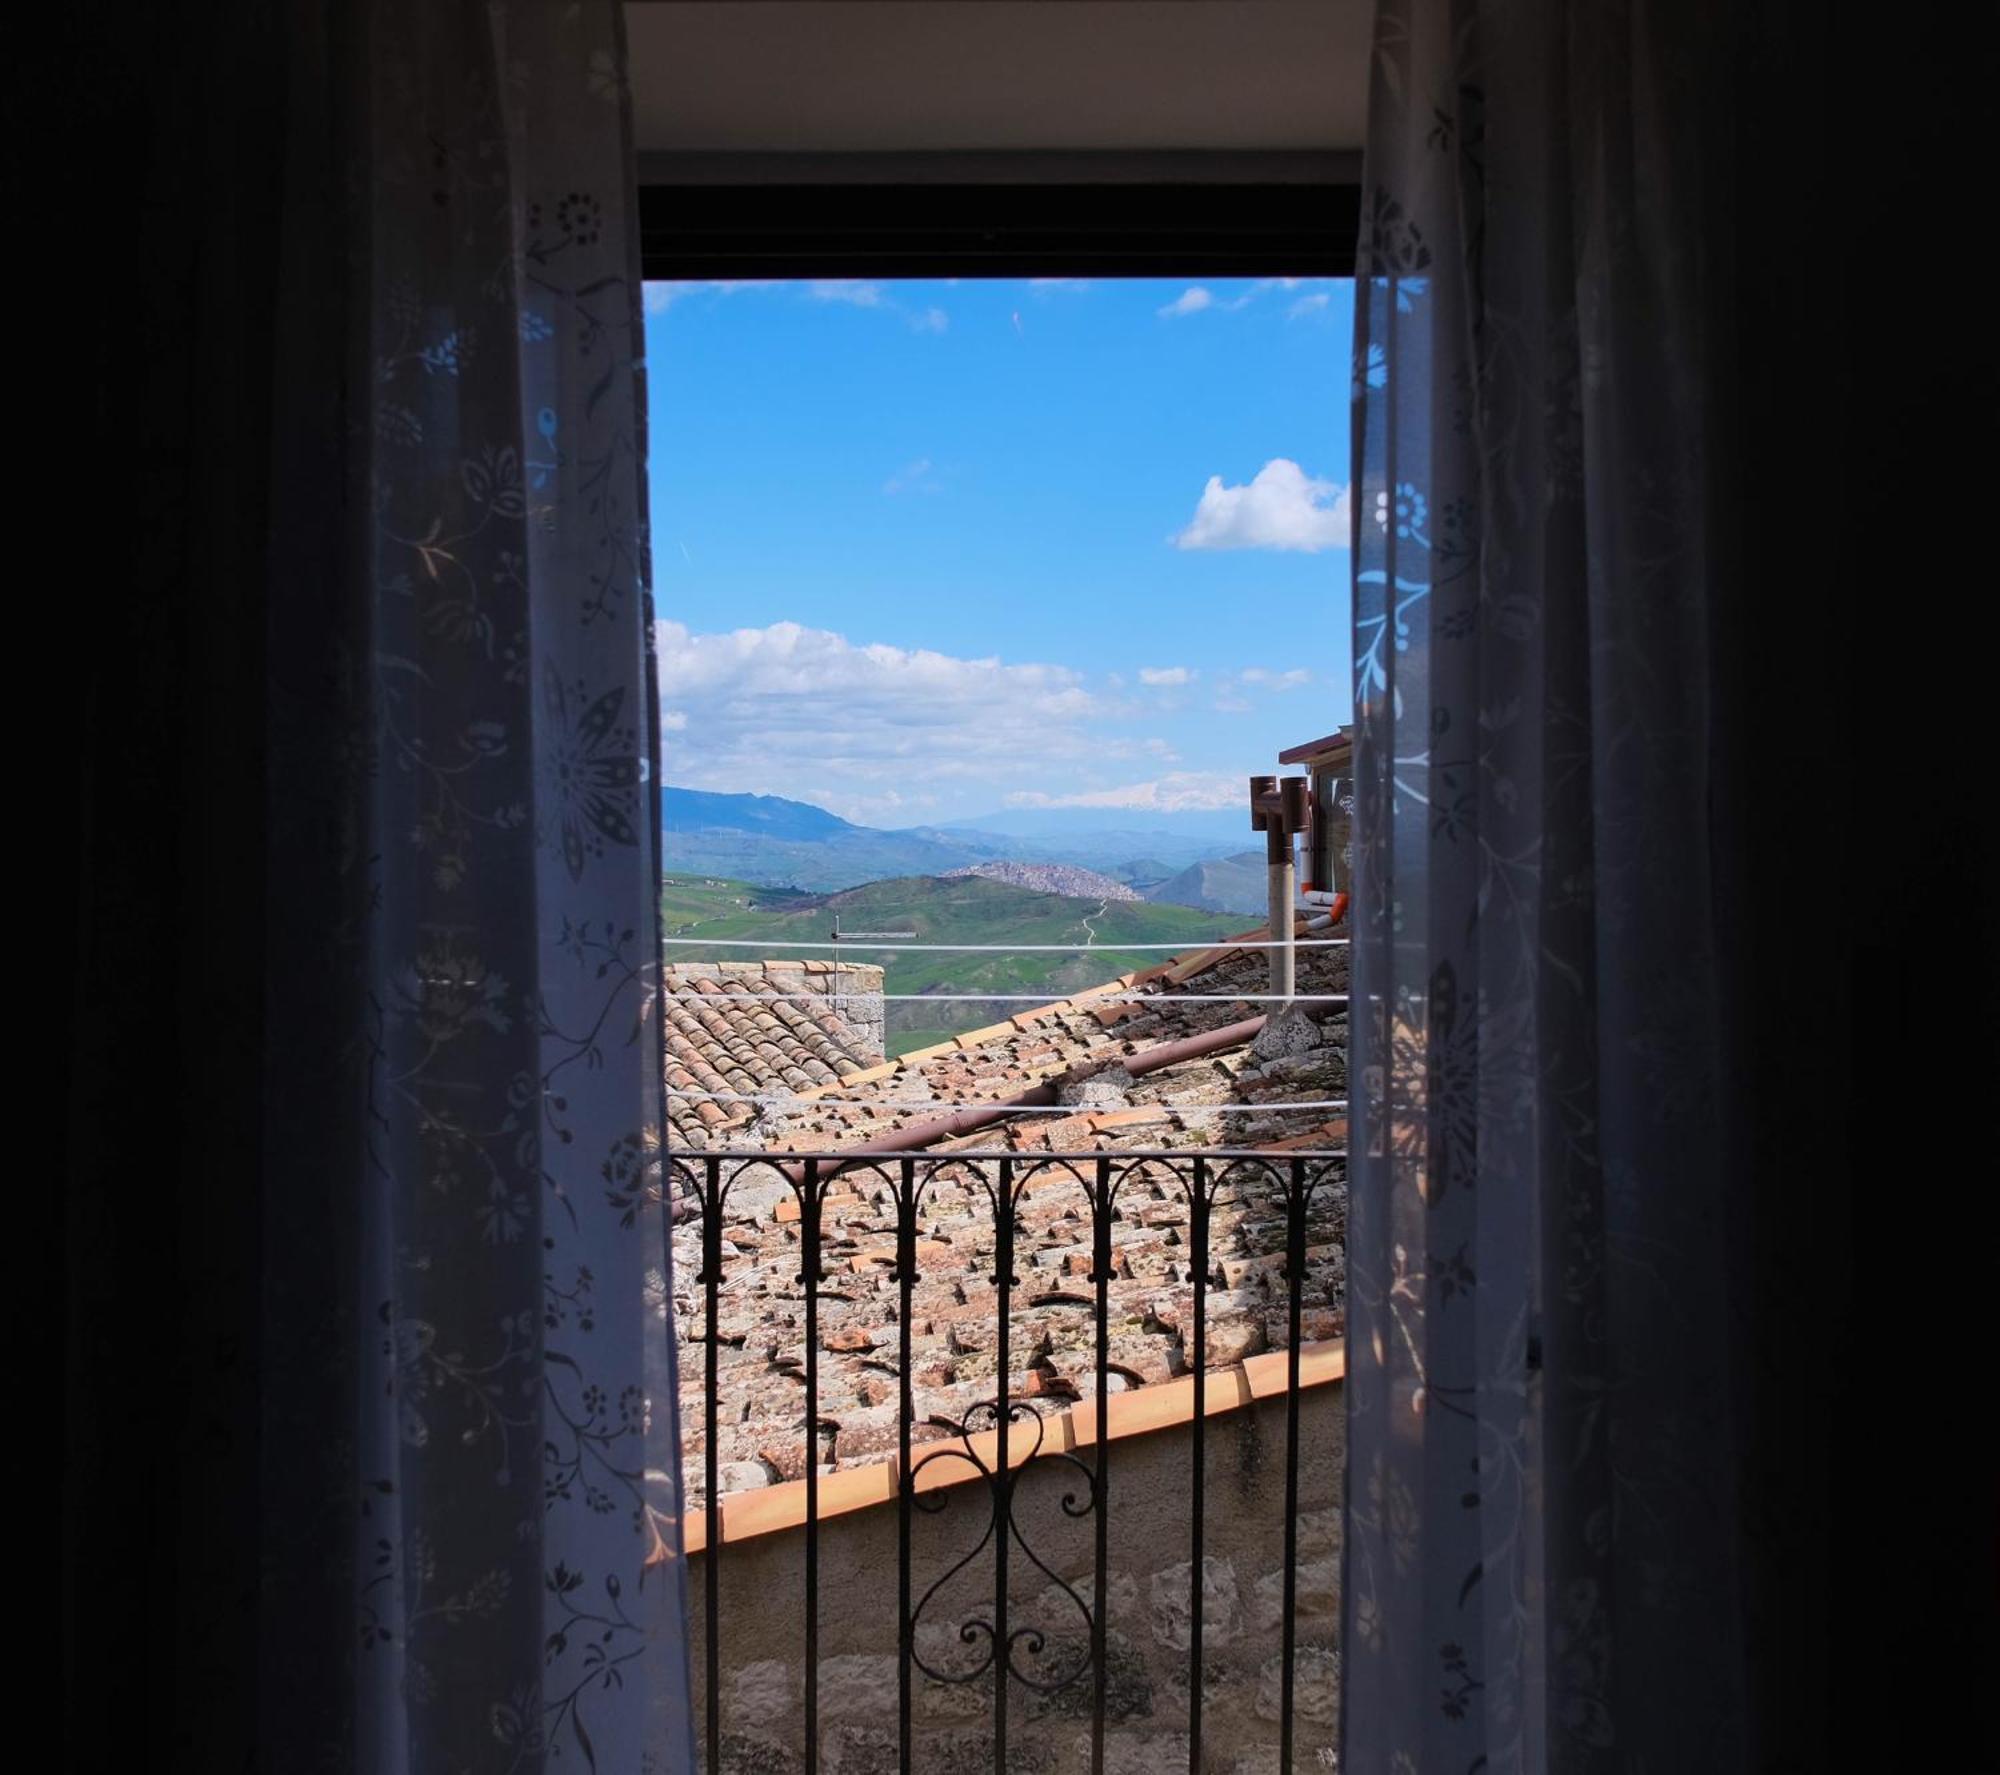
{"x":1198,"y":1228}
{"x":809,"y":1213}
{"x":1100,"y":1272}
{"x":711,"y":1281}
{"x":1003,"y":1498}
{"x":1295,"y":1281}
{"x":906,"y":1262}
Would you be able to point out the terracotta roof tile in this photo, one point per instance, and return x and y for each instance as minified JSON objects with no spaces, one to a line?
{"x":953,"y":1302}
{"x":722,"y":1042}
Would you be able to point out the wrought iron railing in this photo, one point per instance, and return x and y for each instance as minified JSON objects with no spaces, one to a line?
{"x":994,"y":1444}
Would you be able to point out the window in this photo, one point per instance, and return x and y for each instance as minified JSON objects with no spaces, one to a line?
{"x":835,"y":986}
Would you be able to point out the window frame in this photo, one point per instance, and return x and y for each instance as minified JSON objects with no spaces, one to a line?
{"x":1198,"y":219}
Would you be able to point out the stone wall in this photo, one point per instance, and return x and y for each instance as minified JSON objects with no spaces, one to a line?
{"x":762,"y":1615}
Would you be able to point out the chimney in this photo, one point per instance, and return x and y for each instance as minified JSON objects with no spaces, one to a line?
{"x":855,"y":992}
{"x":1278,"y":810}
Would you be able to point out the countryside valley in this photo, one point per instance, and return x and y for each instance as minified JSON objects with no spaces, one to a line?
{"x":762,"y":867}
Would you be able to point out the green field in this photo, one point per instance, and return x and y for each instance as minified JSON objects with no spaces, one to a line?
{"x":969,"y":909}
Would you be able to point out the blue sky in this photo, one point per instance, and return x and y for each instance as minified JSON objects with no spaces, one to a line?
{"x":923,"y":550}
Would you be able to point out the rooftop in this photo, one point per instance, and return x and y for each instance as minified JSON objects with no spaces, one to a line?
{"x":735,"y":1029}
{"x":1115,"y":1075}
{"x":1333,"y":749}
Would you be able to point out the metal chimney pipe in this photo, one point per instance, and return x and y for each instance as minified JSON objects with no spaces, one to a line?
{"x":1278,"y":810}
{"x":1284,"y":889}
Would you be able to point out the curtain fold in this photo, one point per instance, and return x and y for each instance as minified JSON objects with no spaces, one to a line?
{"x":1542,"y":1517}
{"x":470,"y":1446}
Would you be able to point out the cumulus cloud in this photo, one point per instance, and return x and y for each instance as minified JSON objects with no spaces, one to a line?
{"x":1282,"y":508}
{"x":784,"y":709}
{"x":673,"y":720}
{"x":1162,"y":677}
{"x":1182,"y":791}
{"x":1308,"y":305}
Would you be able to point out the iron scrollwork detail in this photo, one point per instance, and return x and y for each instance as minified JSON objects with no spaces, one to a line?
{"x":1000,"y":1486}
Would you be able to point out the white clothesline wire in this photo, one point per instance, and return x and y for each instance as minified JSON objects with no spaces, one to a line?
{"x":1083,"y":998}
{"x":1184,"y":946}
{"x":777,"y":1101}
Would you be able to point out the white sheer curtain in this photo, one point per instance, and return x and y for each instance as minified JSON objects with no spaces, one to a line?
{"x":1540,"y":1514}
{"x":471,"y":1403}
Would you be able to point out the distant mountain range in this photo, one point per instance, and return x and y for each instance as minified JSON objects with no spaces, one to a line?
{"x":1239,"y":883}
{"x":770,"y":841}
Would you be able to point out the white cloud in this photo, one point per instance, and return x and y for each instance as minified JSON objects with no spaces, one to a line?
{"x":849,"y":292}
{"x":914,"y":477}
{"x":662,"y":296}
{"x":1236,"y":692}
{"x":1296,"y":679}
{"x":1197,"y":298}
{"x":1191,"y":300}
{"x":788,"y":710}
{"x":890,"y":735}
{"x":889,"y":808}
{"x":1178,"y":792}
{"x":1048,"y":286}
{"x":1282,"y":508}
{"x":862,"y":293}
{"x":1164,"y":676}
{"x":846,"y":289}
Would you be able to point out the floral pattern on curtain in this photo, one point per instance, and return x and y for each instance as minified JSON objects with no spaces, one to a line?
{"x":1540,"y":1512}
{"x":470,"y":1375}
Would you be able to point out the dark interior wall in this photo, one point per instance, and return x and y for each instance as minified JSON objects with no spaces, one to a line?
{"x":153,"y":163}
{"x":1857,"y":863}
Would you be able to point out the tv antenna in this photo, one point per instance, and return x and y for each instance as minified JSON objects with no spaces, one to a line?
{"x":840,"y":936}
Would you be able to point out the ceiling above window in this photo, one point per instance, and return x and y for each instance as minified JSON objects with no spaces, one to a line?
{"x":998,"y":77}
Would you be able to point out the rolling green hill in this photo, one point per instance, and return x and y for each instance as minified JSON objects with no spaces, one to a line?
{"x":971,"y":909}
